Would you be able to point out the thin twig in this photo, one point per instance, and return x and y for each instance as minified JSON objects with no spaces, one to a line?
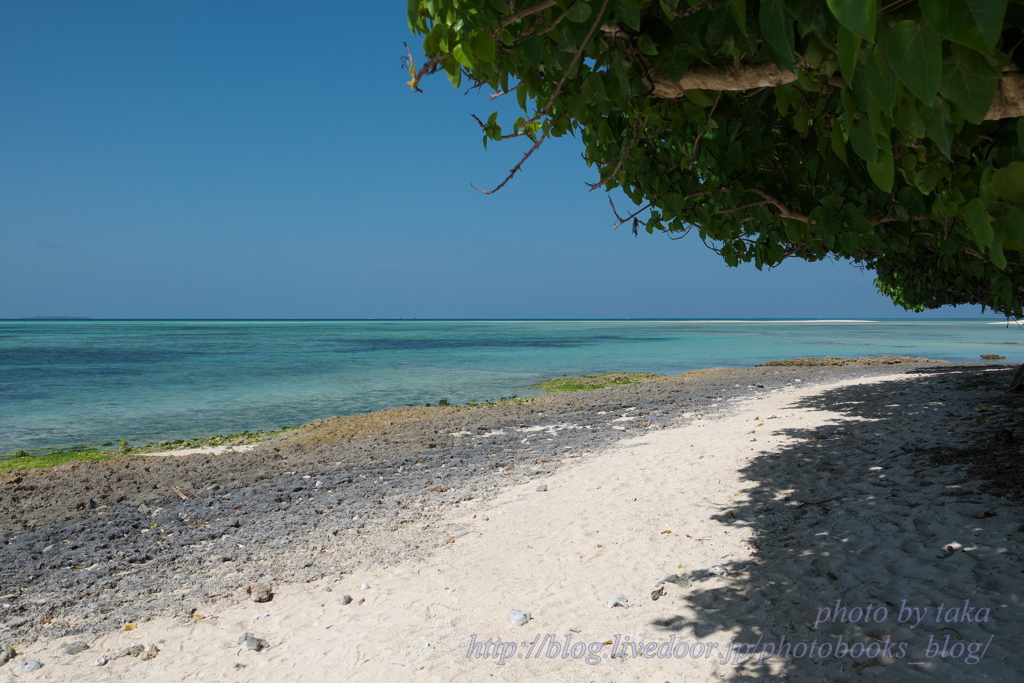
{"x":693,"y":159}
{"x":517,"y":167}
{"x":622,"y":157}
{"x":630,"y":216}
{"x":503,"y":137}
{"x":504,"y":92}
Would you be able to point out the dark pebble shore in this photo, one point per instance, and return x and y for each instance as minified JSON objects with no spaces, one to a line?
{"x":91,"y":546}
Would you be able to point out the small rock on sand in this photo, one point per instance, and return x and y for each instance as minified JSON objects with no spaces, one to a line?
{"x":364,"y":587}
{"x":618,"y":600}
{"x":261,"y":591}
{"x":101,"y":660}
{"x":251,"y":642}
{"x":7,"y":653}
{"x":518,"y":617}
{"x":149,"y":652}
{"x":29,"y":665}
{"x":75,"y":647}
{"x":345,"y":599}
{"x":542,"y":487}
{"x":133,"y":651}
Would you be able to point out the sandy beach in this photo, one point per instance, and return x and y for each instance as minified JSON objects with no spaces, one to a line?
{"x":771,"y":523}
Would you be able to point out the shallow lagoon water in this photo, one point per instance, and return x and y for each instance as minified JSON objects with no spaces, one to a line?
{"x":82,"y":383}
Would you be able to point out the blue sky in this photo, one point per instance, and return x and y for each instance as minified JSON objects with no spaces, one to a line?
{"x":266,"y":160}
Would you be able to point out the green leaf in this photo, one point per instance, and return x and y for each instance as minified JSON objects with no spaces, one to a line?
{"x":579,"y":12}
{"x":483,"y":46}
{"x":883,"y":171}
{"x":856,"y":15}
{"x":975,"y":64}
{"x":974,"y":23}
{"x":739,"y":13}
{"x":849,"y":49}
{"x":628,"y":14}
{"x":783,"y":99}
{"x":1009,"y":182}
{"x":1013,"y":226}
{"x":453,"y":71}
{"x":777,"y":28}
{"x":882,"y":86}
{"x":972,"y":95}
{"x":908,"y":118}
{"x":925,"y":179}
{"x":915,"y":53}
{"x":838,"y":143}
{"x":647,"y":45}
{"x":938,"y":123}
{"x":995,"y":251}
{"x":862,"y":139}
{"x":701,"y":98}
{"x":978,"y":221}
{"x":462,"y":56}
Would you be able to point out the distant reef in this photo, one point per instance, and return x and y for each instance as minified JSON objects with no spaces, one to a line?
{"x":53,"y":317}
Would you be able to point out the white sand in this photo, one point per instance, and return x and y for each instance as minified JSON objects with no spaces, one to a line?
{"x":601,"y":529}
{"x":199,"y":450}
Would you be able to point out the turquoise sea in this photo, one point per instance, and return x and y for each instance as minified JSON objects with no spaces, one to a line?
{"x":83,"y":383}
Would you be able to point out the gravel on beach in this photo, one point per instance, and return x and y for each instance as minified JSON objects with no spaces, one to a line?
{"x":93,"y":546}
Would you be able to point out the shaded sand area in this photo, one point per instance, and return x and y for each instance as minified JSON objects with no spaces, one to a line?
{"x":755,"y":504}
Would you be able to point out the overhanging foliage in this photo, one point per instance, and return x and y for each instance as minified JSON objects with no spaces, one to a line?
{"x":887,"y":135}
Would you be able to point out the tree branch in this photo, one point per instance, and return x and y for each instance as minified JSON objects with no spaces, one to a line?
{"x":740,"y":76}
{"x":784,"y":211}
{"x":516,"y":168}
{"x":532,"y":9}
{"x":1009,"y":100}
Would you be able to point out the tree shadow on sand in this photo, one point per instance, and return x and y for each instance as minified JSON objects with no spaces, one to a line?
{"x":872,"y":510}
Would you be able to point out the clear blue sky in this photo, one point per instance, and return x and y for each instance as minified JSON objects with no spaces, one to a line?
{"x":266,"y":160}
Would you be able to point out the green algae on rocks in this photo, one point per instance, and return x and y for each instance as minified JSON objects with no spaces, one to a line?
{"x":599,"y":381}
{"x":25,"y":460}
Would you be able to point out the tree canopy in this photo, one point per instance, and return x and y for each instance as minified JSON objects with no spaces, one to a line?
{"x":886,"y":134}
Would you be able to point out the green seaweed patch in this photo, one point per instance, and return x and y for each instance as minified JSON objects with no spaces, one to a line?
{"x":599,"y":381}
{"x":237,"y":439}
{"x":24,"y":460}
